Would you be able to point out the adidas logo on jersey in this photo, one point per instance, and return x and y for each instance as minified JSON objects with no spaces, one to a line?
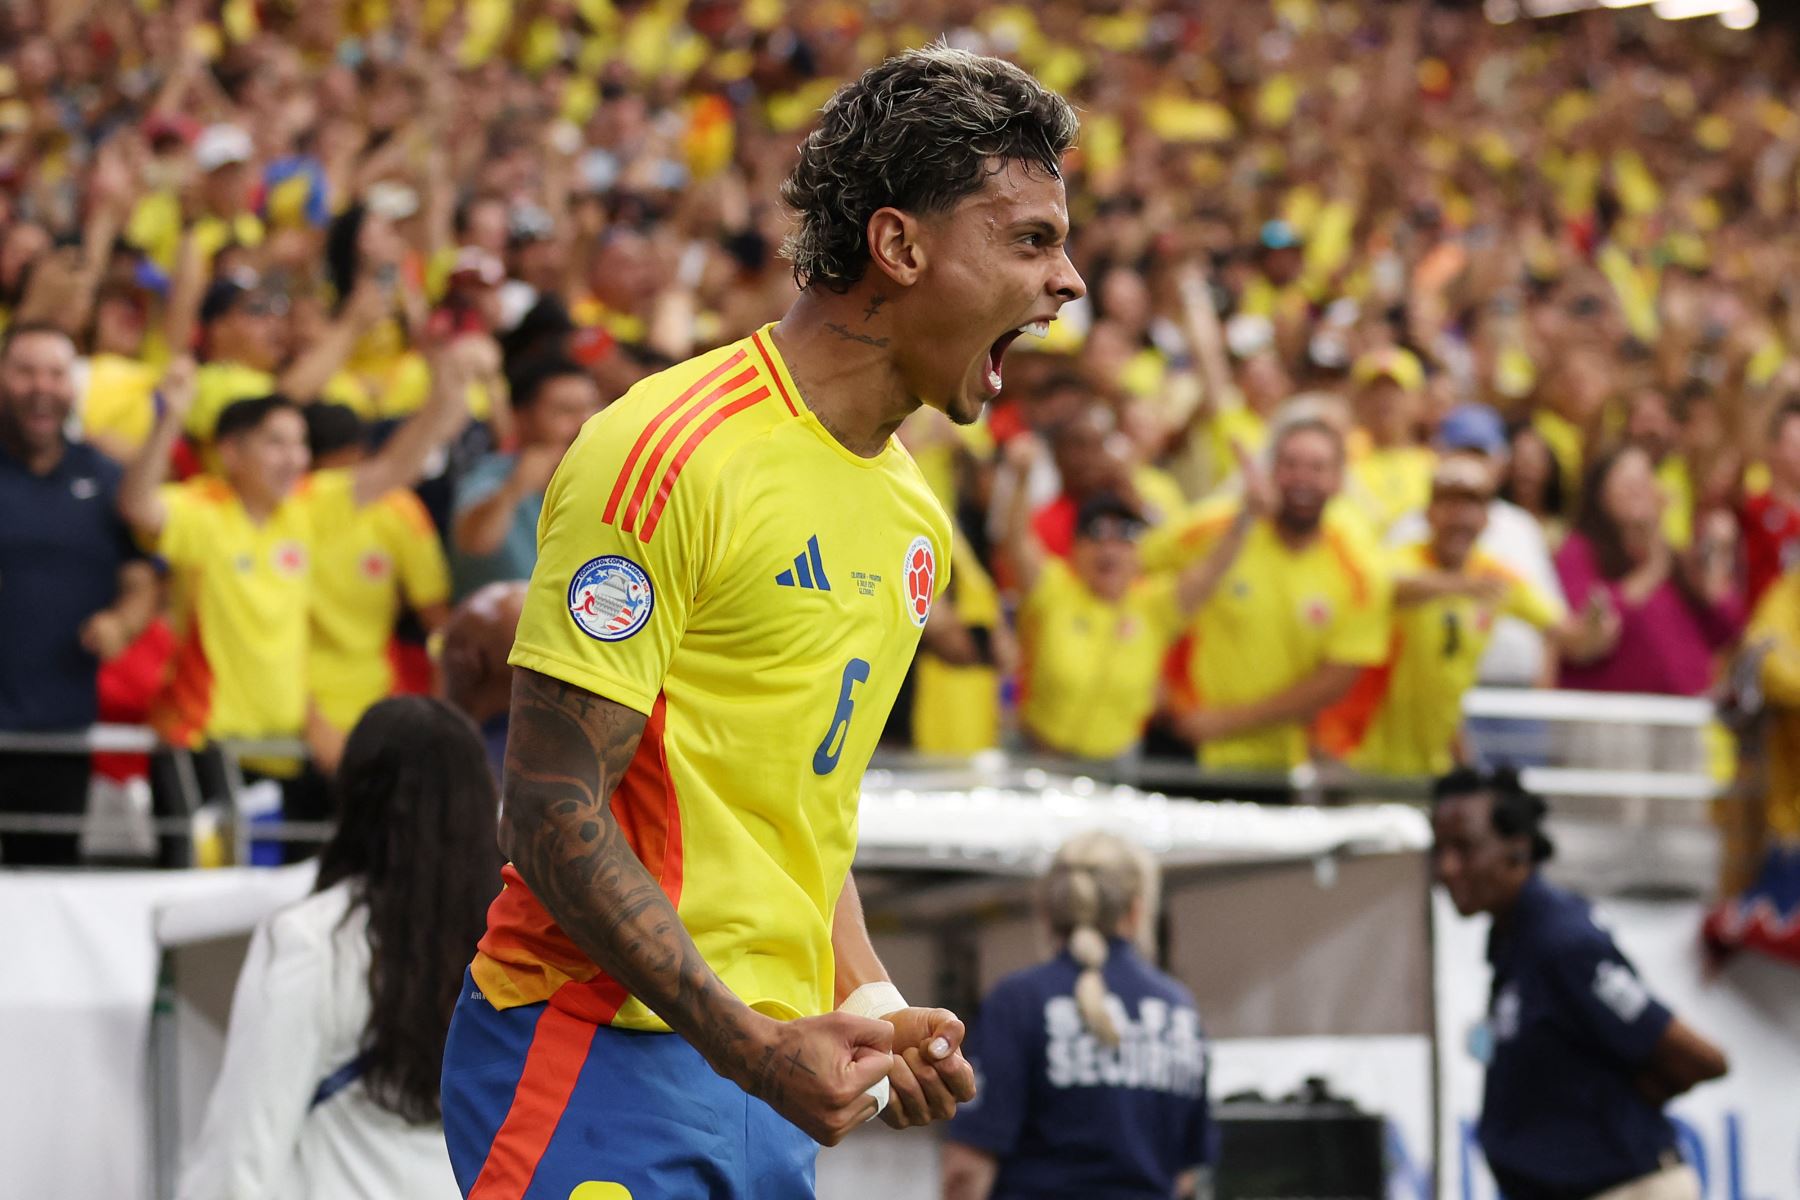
{"x":808,"y":570}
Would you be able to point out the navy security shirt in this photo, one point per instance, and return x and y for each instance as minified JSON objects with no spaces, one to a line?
{"x":62,"y":543}
{"x":1068,"y":1116}
{"x":1572,"y":1024}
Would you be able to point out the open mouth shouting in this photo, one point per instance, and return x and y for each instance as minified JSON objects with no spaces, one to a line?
{"x":1039,"y":329}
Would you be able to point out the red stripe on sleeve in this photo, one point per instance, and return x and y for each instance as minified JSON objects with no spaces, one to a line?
{"x":618,"y":492}
{"x":559,"y":1049}
{"x":646,"y":809}
{"x":687,"y":451}
{"x":674,"y":431}
{"x":773,"y":373}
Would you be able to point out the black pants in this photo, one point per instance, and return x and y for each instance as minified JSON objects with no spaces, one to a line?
{"x":43,"y":784}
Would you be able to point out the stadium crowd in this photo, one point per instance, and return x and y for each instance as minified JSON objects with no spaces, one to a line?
{"x":1417,"y":351}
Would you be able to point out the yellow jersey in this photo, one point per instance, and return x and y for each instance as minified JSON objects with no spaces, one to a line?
{"x":1092,"y":665}
{"x":366,"y":561}
{"x":956,"y":709}
{"x":1276,"y":617}
{"x":239,"y":598}
{"x":1403,"y":715}
{"x":1391,"y":483}
{"x":710,"y":556}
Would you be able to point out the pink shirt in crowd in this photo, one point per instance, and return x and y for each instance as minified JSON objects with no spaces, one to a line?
{"x":1666,"y":644}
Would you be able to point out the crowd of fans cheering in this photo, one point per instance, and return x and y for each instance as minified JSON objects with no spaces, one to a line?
{"x":1417,"y":351}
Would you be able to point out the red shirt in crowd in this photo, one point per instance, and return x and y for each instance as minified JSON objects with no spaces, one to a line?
{"x":1771,"y":529}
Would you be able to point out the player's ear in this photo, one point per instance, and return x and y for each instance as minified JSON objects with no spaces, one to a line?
{"x":895,"y":246}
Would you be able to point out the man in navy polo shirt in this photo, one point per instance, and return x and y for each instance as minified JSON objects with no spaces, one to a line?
{"x":73,"y":591}
{"x":1580,"y":1057}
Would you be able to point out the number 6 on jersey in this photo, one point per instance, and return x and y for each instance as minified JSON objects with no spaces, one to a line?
{"x":825,"y":758}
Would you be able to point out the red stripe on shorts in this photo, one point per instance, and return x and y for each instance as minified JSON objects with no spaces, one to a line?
{"x":559,"y":1049}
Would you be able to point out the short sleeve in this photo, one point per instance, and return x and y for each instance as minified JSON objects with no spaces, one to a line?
{"x":1000,"y":1050}
{"x":1359,"y":635}
{"x":1603,"y":998}
{"x":330,"y":499}
{"x":418,"y":555}
{"x":186,"y":525}
{"x":607,"y":605}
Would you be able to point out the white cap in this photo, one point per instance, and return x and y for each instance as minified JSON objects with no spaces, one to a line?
{"x":221,"y":145}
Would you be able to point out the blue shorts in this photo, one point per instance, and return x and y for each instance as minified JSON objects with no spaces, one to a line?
{"x":540,"y":1105}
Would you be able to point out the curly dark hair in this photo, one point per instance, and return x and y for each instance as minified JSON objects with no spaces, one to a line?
{"x":416,"y":838}
{"x":1517,"y":812}
{"x":918,"y":132}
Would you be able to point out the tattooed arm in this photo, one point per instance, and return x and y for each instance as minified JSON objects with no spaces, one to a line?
{"x":566,"y":752}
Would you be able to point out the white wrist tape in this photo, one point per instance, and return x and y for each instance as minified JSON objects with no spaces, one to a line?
{"x":874,"y":1000}
{"x":879,"y":1090}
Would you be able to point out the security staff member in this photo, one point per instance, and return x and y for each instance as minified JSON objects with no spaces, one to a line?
{"x":1580,"y":1057}
{"x":1094,"y":1064}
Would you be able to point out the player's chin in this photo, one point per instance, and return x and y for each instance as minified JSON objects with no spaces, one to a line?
{"x":974,"y":392}
{"x":965,"y":409}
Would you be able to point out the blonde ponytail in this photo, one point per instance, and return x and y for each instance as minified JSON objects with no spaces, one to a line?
{"x":1093,"y":882}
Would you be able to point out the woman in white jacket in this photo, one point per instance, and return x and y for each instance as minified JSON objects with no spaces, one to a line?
{"x":329,"y":1087}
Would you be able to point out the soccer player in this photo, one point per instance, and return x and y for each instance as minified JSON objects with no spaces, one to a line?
{"x":736,"y":560}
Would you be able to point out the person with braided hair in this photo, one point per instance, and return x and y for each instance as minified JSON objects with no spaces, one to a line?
{"x":1093,"y":1066}
{"x":1580,"y":1057}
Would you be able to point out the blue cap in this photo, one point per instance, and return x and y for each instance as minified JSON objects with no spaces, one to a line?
{"x":1473,"y":427}
{"x":1279,"y":235}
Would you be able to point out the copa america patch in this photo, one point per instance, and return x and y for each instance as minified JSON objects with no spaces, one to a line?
{"x":610,"y":598}
{"x":918,"y":576}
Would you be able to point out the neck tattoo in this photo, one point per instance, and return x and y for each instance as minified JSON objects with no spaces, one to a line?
{"x":850,"y":335}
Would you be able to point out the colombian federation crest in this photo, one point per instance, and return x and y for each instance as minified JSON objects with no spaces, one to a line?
{"x":918,"y":577}
{"x":610,"y":598}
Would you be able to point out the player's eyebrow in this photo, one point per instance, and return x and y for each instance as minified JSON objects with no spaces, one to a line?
{"x":1054,"y":230}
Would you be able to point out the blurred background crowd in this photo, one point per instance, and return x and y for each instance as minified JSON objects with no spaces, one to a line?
{"x":1419,"y":351}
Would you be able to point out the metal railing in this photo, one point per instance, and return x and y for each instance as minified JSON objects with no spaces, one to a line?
{"x":196,"y":812}
{"x":1624,"y":761}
